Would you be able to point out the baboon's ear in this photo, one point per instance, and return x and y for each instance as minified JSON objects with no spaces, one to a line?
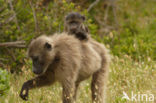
{"x":83,"y":18}
{"x":47,"y":46}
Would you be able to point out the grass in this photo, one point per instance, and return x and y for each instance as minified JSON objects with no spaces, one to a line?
{"x":125,"y":75}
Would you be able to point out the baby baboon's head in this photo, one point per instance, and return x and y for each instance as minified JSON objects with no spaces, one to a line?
{"x":73,"y":22}
{"x":41,"y":52}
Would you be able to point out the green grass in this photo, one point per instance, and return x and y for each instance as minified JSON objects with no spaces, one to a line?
{"x":125,"y":75}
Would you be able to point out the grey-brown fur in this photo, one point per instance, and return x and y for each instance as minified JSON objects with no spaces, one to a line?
{"x":74,"y":25}
{"x":66,"y":59}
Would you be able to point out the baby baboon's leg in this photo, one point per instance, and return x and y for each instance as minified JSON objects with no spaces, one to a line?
{"x":36,"y":82}
{"x":98,"y":85}
{"x":68,"y":91}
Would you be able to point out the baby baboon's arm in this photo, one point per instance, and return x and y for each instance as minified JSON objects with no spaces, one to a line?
{"x":33,"y":83}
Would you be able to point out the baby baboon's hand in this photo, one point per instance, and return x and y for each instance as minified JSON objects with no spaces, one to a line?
{"x":24,"y":92}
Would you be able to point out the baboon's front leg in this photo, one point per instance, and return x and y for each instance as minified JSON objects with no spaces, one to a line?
{"x":68,"y":92}
{"x":36,"y":82}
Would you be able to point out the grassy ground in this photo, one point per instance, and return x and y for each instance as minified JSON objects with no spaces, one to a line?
{"x":125,"y":75}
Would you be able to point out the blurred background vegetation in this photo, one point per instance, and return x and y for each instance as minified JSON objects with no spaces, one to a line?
{"x":126,"y":27}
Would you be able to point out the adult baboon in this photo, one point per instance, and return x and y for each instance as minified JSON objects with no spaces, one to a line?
{"x":66,"y":59}
{"x":74,"y":25}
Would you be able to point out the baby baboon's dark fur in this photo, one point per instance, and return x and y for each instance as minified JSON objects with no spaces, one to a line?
{"x":74,"y":25}
{"x":66,"y":59}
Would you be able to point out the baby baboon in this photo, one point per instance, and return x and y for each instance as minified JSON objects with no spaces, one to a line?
{"x":66,"y":59}
{"x":74,"y":25}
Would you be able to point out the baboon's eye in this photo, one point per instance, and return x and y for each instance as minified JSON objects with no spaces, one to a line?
{"x":48,"y":46}
{"x":72,"y":22}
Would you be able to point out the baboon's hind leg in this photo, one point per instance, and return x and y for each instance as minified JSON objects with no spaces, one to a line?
{"x":99,"y":81}
{"x":76,"y":88}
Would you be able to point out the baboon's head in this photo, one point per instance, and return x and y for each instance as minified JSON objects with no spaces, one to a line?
{"x":41,"y":52}
{"x":73,"y":22}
